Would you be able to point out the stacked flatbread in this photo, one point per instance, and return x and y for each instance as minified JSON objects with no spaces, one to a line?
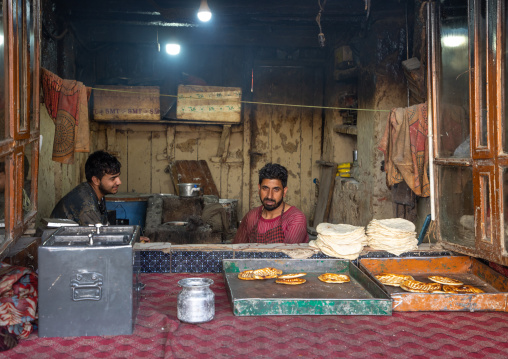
{"x":394,"y":235}
{"x":340,"y":240}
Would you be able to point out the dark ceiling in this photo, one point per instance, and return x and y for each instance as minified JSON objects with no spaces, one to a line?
{"x":112,"y":20}
{"x":162,"y":13}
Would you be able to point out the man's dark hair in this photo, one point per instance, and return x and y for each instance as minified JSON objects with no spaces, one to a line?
{"x":100,"y":163}
{"x":274,"y":171}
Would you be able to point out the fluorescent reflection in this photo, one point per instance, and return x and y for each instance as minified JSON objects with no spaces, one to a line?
{"x":1,"y":40}
{"x":173,"y":49}
{"x":454,"y":37}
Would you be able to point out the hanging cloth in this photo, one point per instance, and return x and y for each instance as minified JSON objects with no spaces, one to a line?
{"x":404,"y":144}
{"x":67,"y":104}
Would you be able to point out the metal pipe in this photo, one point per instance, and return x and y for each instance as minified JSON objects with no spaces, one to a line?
{"x":430,"y":108}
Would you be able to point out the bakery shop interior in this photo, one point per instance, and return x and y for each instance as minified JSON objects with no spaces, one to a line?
{"x":295,"y":158}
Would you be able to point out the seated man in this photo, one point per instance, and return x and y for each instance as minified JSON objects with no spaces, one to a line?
{"x":86,"y":204}
{"x":274,"y":221}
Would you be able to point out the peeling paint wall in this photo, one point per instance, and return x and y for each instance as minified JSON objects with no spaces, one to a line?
{"x":381,"y":86}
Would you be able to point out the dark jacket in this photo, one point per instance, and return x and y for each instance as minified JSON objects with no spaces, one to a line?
{"x":82,"y":206}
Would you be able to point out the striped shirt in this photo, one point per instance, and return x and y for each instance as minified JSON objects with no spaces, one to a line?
{"x":294,"y":225}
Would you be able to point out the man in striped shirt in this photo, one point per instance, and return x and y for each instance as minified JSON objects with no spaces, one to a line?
{"x":274,"y":221}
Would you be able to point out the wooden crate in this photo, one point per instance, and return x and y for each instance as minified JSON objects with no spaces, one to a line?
{"x":126,"y":103}
{"x":464,"y":268}
{"x":209,"y":104}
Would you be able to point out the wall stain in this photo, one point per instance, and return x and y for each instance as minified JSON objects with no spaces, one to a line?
{"x":288,"y":146}
{"x":187,"y":146}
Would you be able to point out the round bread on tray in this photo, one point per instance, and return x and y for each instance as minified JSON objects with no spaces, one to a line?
{"x":392,"y":279}
{"x":246,"y":275}
{"x":461,"y":289}
{"x":334,"y":278}
{"x":445,"y":280}
{"x":420,"y":287}
{"x":267,"y":273}
{"x":290,"y":281}
{"x":291,"y":275}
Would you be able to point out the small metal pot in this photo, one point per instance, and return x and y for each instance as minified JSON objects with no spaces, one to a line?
{"x":196,"y":301}
{"x":189,"y":189}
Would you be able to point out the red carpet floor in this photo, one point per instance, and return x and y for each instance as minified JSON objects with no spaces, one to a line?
{"x":159,"y":334}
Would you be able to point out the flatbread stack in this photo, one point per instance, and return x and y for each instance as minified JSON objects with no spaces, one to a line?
{"x":340,"y":240}
{"x":394,"y":235}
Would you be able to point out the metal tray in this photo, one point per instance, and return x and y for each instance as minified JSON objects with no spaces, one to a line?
{"x":361,"y":296}
{"x":464,"y":268}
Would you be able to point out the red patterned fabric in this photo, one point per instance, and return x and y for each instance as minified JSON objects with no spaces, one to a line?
{"x":159,"y":334}
{"x":18,"y":299}
{"x":67,"y":104}
{"x":274,"y":235}
{"x":294,"y":226}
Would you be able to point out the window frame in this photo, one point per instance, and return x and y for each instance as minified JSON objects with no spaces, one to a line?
{"x":487,"y":161}
{"x":19,"y":92}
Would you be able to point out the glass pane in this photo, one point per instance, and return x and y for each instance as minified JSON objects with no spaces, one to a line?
{"x":31,"y":57}
{"x":482,"y":71}
{"x":453,"y":127}
{"x":486,"y":223}
{"x":21,"y":31}
{"x":456,"y":207}
{"x":2,"y":76}
{"x":27,"y":180}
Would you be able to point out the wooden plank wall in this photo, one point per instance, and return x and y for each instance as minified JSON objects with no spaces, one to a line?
{"x":55,"y":179}
{"x":290,"y":136}
{"x":146,"y":151}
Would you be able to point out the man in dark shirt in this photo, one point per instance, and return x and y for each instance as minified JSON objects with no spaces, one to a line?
{"x":86,"y":204}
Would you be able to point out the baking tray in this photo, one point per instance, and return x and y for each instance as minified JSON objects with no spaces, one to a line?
{"x":361,"y":296}
{"x":464,"y":268}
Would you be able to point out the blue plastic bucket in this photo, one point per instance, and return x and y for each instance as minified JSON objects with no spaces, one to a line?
{"x":130,"y":207}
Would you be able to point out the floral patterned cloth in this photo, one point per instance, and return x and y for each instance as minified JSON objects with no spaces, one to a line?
{"x":18,"y":299}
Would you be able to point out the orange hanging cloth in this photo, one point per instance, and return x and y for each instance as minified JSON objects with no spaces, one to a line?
{"x":67,"y":104}
{"x":404,"y":144}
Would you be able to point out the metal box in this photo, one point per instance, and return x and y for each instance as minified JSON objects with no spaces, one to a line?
{"x":87,"y":285}
{"x":466,"y":269}
{"x":361,"y":296}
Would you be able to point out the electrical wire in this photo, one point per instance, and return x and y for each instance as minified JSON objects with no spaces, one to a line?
{"x":248,"y":102}
{"x":321,"y":36}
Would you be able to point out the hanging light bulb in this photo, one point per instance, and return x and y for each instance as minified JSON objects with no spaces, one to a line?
{"x":204,"y":13}
{"x":173,"y":49}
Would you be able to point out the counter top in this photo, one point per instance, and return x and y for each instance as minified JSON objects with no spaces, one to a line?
{"x":159,"y":334}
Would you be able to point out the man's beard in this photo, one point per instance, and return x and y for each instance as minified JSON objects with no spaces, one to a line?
{"x":271,"y":207}
{"x":104,"y":191}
